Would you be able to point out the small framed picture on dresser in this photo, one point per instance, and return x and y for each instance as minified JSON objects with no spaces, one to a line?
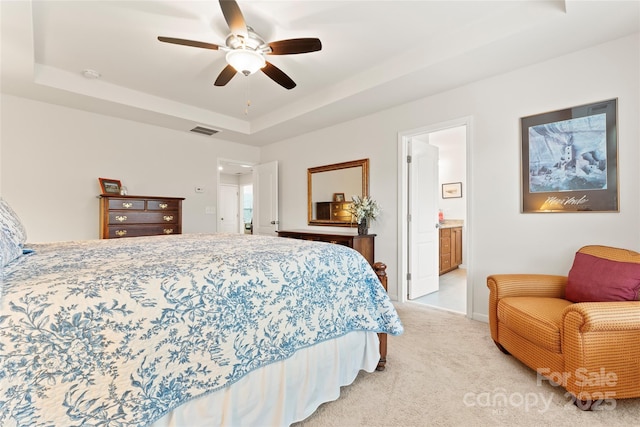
{"x":338,"y":197}
{"x":110,"y":186}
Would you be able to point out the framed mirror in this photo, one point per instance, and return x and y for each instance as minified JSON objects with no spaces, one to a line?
{"x":329,"y":192}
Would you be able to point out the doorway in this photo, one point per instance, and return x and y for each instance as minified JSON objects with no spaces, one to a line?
{"x":257,"y":201}
{"x":246,"y":199}
{"x":235,"y":196}
{"x":453,"y":292}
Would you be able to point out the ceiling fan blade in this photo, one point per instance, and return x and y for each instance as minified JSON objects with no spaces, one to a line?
{"x":193,"y":43}
{"x":225,"y":75}
{"x":233,"y":16}
{"x":293,"y":46}
{"x":278,"y":76}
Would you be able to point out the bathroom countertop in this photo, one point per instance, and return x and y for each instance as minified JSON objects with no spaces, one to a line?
{"x":450,"y":223}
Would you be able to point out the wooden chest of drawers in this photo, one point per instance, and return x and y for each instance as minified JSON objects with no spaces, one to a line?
{"x":131,"y":216}
{"x":365,"y":244}
{"x":334,"y":211}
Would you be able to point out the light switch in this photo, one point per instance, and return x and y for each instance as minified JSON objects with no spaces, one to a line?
{"x":210,"y":210}
{"x":199,"y":189}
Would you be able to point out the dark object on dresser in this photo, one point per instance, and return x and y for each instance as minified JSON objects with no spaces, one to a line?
{"x":132,"y":216}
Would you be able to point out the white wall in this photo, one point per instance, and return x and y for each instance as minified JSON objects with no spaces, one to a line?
{"x":53,"y":156}
{"x":226,"y":178}
{"x":502,"y":240}
{"x":452,"y":164}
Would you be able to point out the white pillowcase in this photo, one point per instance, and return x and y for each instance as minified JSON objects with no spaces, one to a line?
{"x":12,"y":234}
{"x":9,"y":249}
{"x":9,"y":218}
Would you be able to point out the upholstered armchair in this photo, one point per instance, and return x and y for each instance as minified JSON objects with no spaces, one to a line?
{"x":581,"y":331}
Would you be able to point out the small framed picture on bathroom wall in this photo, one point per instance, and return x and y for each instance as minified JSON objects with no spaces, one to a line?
{"x":452,"y":190}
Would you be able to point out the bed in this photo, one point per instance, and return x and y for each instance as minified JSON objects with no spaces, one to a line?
{"x":183,"y":330}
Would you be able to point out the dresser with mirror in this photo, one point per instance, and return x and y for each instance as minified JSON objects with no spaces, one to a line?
{"x":329,"y":192}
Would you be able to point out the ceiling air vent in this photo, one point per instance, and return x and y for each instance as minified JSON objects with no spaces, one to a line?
{"x":205,"y":131}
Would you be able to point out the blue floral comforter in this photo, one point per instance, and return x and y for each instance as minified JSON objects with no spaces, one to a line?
{"x":120,"y":332}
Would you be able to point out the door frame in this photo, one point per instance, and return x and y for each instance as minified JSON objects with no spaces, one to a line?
{"x":403,"y":212}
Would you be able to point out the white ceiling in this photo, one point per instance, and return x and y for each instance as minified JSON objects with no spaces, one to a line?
{"x":376,"y":54}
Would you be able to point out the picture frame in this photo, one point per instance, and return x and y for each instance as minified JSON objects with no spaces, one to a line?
{"x":452,"y":190}
{"x":569,"y":160}
{"x":338,"y":197}
{"x":110,"y":186}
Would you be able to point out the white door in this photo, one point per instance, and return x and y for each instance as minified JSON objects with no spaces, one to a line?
{"x":423,"y":232}
{"x":265,"y":198}
{"x":229,"y":219}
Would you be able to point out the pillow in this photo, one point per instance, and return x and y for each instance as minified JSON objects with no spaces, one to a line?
{"x":9,"y":248}
{"x":594,"y":279}
{"x":10,"y":220}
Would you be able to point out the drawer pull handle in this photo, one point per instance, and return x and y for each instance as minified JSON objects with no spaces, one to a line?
{"x":168,"y":218}
{"x":127,"y":205}
{"x":168,"y":231}
{"x":121,"y":218}
{"x":163,"y":205}
{"x":121,"y":233}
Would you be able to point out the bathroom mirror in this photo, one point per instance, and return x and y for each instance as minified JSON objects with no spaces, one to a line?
{"x":329,"y":192}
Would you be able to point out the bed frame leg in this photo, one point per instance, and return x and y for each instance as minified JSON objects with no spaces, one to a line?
{"x":381,"y":270}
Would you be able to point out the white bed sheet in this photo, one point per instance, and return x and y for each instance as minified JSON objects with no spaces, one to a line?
{"x":284,"y":392}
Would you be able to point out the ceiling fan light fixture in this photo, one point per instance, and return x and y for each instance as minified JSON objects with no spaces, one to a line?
{"x":246,"y":49}
{"x":245,"y":61}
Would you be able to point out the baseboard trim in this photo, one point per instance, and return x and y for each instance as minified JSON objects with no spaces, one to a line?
{"x":481,"y":317}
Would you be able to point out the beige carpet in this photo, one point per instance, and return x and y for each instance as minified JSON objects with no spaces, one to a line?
{"x":446,"y":371}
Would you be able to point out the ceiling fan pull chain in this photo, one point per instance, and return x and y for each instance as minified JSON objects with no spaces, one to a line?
{"x":248,"y":92}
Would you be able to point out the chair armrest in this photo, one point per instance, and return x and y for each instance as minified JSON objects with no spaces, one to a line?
{"x":524,"y":285}
{"x":602,"y":340}
{"x":603,"y":316}
{"x":527,"y":285}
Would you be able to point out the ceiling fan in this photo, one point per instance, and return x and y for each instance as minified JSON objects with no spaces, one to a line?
{"x":246,"y":50}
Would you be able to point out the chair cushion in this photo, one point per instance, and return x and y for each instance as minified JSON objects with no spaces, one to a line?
{"x":535,"y":318}
{"x":595,"y":279}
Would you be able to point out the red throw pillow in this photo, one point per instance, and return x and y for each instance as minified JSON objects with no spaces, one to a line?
{"x":594,"y":279}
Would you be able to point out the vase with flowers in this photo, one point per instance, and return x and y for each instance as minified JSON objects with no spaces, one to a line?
{"x":364,"y":209}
